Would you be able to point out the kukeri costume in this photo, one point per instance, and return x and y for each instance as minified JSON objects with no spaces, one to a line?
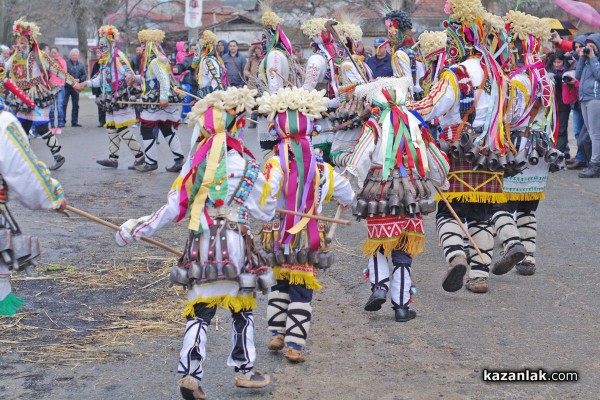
{"x":30,"y":69}
{"x":25,"y":178}
{"x":469,"y":100}
{"x":212,"y":74}
{"x":156,"y":81}
{"x":394,"y":155}
{"x":114,"y":68}
{"x":353,"y":72}
{"x":405,"y":61}
{"x":219,"y":190}
{"x":533,"y":130}
{"x":274,"y":71}
{"x":296,"y":246}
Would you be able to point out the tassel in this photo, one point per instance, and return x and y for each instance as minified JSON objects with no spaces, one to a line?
{"x":10,"y":305}
{"x":474,"y":197}
{"x":411,"y":243}
{"x":233,"y":303}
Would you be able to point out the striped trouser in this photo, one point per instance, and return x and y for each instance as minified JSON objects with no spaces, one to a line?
{"x":124,"y":133}
{"x":193,"y":351}
{"x":398,"y":285}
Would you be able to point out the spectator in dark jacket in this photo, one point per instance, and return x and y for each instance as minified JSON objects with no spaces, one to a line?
{"x":97,"y":91}
{"x":381,"y":62}
{"x":77,"y":70}
{"x":584,"y":144}
{"x":588,"y":74}
{"x":136,"y":60}
{"x":235,"y":63}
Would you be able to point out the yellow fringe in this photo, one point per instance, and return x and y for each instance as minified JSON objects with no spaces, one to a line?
{"x":531,"y":196}
{"x":233,"y":303}
{"x":331,"y":187}
{"x":266,"y":189}
{"x":112,"y":125}
{"x":410,"y":242}
{"x":474,"y":197}
{"x":306,"y":279}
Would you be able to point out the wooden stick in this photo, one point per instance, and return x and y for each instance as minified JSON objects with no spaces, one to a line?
{"x":274,"y":71}
{"x":331,"y":232}
{"x":181,"y":91}
{"x":317,"y":217}
{"x":462,"y":226}
{"x":144,"y":103}
{"x":116,"y":228}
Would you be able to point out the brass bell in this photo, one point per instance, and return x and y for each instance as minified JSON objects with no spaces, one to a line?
{"x":247,"y":283}
{"x":534,"y":157}
{"x":480,"y":163}
{"x":372,"y":208}
{"x":551,"y":156}
{"x":196,"y":271}
{"x":542,"y":146}
{"x":382,"y":207}
{"x":502,"y":161}
{"x":394,"y":204}
{"x":472,"y":154}
{"x":493,"y":162}
{"x":229,"y":271}
{"x":313,"y":257}
{"x":302,"y":256}
{"x":456,"y":150}
{"x":361,"y":209}
{"x":179,"y":276}
{"x":271,"y":261}
{"x":510,"y":158}
{"x":291,"y":258}
{"x":520,"y":160}
{"x":280,"y":257}
{"x":212,"y":272}
{"x":266,"y":281}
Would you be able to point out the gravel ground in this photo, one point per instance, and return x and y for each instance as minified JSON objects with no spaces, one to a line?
{"x":100,"y":321}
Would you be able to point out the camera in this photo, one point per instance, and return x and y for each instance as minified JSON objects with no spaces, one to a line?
{"x":586,"y":51}
{"x":569,"y":55}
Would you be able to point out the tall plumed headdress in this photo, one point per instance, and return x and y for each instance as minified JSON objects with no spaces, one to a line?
{"x":218,"y":117}
{"x":269,"y":19}
{"x":398,"y":24}
{"x":466,"y":33}
{"x":273,"y":37}
{"x":293,"y":111}
{"x":151,"y":35}
{"x":207,"y":39}
{"x":109,"y":32}
{"x":25,"y":28}
{"x":432,"y":43}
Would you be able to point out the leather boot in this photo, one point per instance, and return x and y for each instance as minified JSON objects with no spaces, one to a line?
{"x":404,"y":314}
{"x":477,"y":285}
{"x":453,"y":280}
{"x":377,"y":298}
{"x":516,"y":253}
{"x":190,"y":389}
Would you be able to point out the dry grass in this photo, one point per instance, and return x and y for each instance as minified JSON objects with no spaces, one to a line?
{"x":150,"y":311}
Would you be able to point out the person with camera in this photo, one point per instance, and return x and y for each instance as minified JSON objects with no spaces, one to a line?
{"x":556,"y":67}
{"x":570,"y":95}
{"x":588,"y":74}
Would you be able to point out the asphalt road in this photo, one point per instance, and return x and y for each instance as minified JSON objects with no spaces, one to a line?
{"x":549,"y":320}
